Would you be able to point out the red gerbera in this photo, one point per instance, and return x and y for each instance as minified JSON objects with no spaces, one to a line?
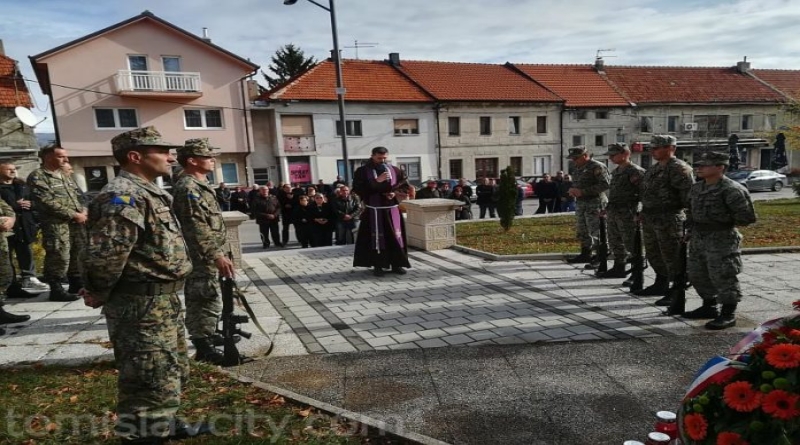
{"x":741,"y":397}
{"x":696,"y":426}
{"x":784,"y":356}
{"x":780,"y":404}
{"x":728,"y":438}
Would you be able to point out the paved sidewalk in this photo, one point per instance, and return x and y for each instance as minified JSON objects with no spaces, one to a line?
{"x":460,"y":349}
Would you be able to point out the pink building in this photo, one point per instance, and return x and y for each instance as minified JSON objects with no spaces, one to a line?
{"x":146,"y":71}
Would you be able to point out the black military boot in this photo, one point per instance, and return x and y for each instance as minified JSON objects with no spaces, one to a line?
{"x":75,"y":284}
{"x":618,"y":271}
{"x":658,"y":288}
{"x":15,"y":290}
{"x":594,"y":263}
{"x":6,"y":318}
{"x":584,"y":257}
{"x":708,"y":311}
{"x":726,"y":318}
{"x":57,"y":293}
{"x":207,"y":353}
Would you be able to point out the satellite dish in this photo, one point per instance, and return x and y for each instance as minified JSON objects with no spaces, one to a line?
{"x":25,"y":116}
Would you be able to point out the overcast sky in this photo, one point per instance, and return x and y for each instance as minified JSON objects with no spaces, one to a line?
{"x":641,"y":32}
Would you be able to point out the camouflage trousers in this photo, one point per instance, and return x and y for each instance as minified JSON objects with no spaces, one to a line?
{"x":63,"y":244}
{"x":150,"y":353}
{"x":621,"y":231}
{"x":6,"y":271}
{"x":203,"y":303}
{"x":662,"y":233}
{"x":715,"y":260}
{"x":587,"y":223}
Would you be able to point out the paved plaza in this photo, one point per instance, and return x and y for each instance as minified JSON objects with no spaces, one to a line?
{"x":459,"y":350}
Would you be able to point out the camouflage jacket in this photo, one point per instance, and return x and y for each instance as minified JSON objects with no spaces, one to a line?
{"x":5,"y":211}
{"x":626,"y":183}
{"x":54,"y":195}
{"x":665,"y":188}
{"x":132,"y":236}
{"x":197,"y":209}
{"x":592,"y":180}
{"x":721,"y":205}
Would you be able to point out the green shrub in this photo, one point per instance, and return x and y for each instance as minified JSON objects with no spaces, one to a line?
{"x":507,"y":198}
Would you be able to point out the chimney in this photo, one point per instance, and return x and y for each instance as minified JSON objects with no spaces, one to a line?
{"x":599,"y":64}
{"x":205,"y":35}
{"x":743,"y":66}
{"x":394,"y":59}
{"x":2,"y":49}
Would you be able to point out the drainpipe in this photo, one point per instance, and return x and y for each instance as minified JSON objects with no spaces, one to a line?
{"x":245,"y":101}
{"x":438,"y":142}
{"x":561,"y":127}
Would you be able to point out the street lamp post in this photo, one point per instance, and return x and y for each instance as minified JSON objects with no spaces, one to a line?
{"x":339,"y":80}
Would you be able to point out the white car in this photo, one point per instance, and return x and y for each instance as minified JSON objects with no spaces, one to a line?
{"x":759,"y":179}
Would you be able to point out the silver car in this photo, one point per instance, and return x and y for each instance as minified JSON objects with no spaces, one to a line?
{"x":759,"y":179}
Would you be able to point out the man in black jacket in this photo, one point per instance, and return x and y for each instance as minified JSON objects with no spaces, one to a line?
{"x":15,"y":193}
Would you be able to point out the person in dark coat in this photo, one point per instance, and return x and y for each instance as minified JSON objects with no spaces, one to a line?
{"x":239,"y":201}
{"x":547,"y":192}
{"x":223,"y":197}
{"x":288,"y":202}
{"x":347,"y":209}
{"x":486,"y":197}
{"x":301,"y":218}
{"x":322,"y":220}
{"x":464,"y":211}
{"x":267,"y":212}
{"x":381,"y":241}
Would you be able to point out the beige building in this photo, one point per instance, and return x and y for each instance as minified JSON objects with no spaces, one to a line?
{"x":146,"y":71}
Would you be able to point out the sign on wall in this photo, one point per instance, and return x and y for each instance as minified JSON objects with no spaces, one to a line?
{"x":300,"y":172}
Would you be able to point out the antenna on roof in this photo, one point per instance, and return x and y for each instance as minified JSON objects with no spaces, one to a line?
{"x":601,"y":51}
{"x":357,"y":45}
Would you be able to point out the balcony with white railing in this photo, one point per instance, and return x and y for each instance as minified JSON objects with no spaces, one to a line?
{"x":158,"y":83}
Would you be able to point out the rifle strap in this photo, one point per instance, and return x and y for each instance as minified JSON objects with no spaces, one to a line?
{"x":239,"y":295}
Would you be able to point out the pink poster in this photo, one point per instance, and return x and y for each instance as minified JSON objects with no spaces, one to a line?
{"x":300,"y":173}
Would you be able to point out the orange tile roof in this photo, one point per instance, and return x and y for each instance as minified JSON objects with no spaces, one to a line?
{"x":475,"y":82}
{"x":786,"y":81}
{"x":13,"y":91}
{"x":364,"y":80}
{"x":579,"y":85}
{"x":661,"y":84}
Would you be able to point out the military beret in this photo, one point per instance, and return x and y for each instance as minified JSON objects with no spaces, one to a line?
{"x":712,"y":158}
{"x":576,"y":152}
{"x":140,"y":137}
{"x":615,"y":149}
{"x":662,"y":140}
{"x":197,"y":147}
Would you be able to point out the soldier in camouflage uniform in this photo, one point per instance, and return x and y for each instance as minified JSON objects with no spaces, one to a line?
{"x":62,"y":217}
{"x":716,"y":205}
{"x":665,"y":196}
{"x":135,"y":264}
{"x":623,"y":203}
{"x":203,"y":228}
{"x":589,"y":190}
{"x":7,"y":220}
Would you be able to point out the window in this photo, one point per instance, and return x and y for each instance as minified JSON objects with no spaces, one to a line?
{"x":580,"y":114}
{"x":141,"y":81}
{"x":771,"y":122}
{"x":747,"y":122}
{"x":541,"y":165}
{"x":601,"y":114}
{"x":672,"y":123}
{"x":599,"y":140}
{"x":486,"y":125}
{"x":202,"y":118}
{"x":171,"y":64}
{"x":405,"y":127}
{"x":137,"y":63}
{"x":260,"y":176}
{"x":577,"y":139}
{"x":297,"y":125}
{"x":115,"y":118}
{"x":411,"y":166}
{"x":621,"y":138}
{"x":541,"y":124}
{"x":456,"y":168}
{"x":712,"y":126}
{"x":513,"y":125}
{"x":646,"y":124}
{"x":454,"y":126}
{"x":353,"y":128}
{"x":486,"y":168}
{"x":516,"y":164}
{"x":230,"y":175}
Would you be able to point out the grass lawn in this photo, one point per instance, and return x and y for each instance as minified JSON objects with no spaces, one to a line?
{"x":63,"y":405}
{"x":778,"y":225}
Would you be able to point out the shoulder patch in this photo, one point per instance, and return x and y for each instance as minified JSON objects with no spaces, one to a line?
{"x":126,"y":200}
{"x":192,"y":195}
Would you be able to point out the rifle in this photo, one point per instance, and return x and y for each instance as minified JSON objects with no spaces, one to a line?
{"x":638,"y":262}
{"x":678,"y":291}
{"x":230,"y":321}
{"x":602,"y":251}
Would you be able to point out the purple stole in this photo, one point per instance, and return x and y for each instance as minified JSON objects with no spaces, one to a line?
{"x":376,"y":204}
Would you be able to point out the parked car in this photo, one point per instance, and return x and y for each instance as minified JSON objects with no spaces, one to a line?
{"x":527,"y":186}
{"x":759,"y":179}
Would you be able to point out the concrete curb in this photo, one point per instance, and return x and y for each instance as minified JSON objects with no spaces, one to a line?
{"x":560,"y":256}
{"x":340,"y":412}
